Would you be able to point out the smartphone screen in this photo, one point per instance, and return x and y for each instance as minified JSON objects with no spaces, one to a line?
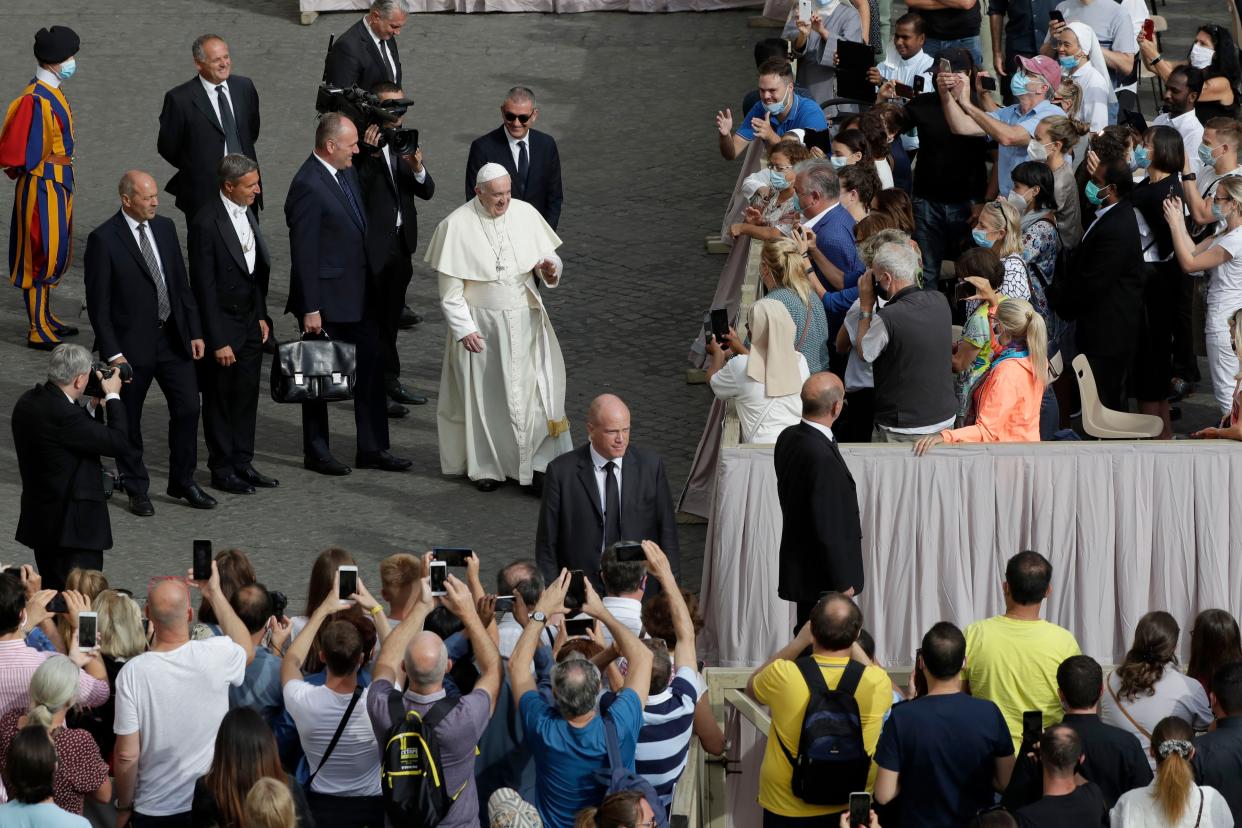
{"x":576,"y":596}
{"x":202,"y":560}
{"x":988,"y":84}
{"x":860,"y":810}
{"x":348,"y":582}
{"x":1032,"y":726}
{"x":720,"y":323}
{"x":87,"y":631}
{"x":963,"y":291}
{"x":439,"y":571}
{"x":578,"y":627}
{"x":629,"y":552}
{"x":451,"y":555}
{"x":504,"y":603}
{"x":920,"y":83}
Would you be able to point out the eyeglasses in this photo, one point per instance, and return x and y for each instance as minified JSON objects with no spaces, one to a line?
{"x":513,"y":116}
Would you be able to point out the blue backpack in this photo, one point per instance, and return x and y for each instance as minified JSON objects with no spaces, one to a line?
{"x":616,"y":777}
{"x":832,"y":761}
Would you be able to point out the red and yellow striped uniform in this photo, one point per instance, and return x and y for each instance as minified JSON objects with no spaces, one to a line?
{"x":36,"y":148}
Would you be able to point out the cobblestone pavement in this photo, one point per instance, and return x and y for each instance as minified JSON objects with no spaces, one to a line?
{"x":630,"y":99}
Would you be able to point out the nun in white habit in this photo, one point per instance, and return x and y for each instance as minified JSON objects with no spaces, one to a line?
{"x":501,"y":413}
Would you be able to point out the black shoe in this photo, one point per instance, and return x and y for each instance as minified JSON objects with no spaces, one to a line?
{"x":140,"y":505}
{"x":487,"y":485}
{"x":194,"y":495}
{"x":408,"y":319}
{"x":384,"y":461}
{"x":399,"y":393}
{"x":396,"y":410}
{"x":39,"y":345}
{"x":66,"y":330}
{"x":536,"y":485}
{"x":254,"y":478}
{"x":329,"y":466}
{"x":231,"y":483}
{"x":1180,"y":389}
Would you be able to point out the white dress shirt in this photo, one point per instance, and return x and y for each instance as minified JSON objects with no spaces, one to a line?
{"x":1188,"y":126}
{"x":215,"y":104}
{"x":245,"y":233}
{"x":383,"y":50}
{"x":598,"y":461}
{"x":47,"y":76}
{"x":513,"y":148}
{"x":809,"y":223}
{"x":821,"y":428}
{"x":1099,"y":214}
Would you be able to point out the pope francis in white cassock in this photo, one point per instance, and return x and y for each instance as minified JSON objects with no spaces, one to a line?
{"x":502,"y":387}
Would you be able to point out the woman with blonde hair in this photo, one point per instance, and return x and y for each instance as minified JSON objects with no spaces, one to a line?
{"x":121,"y":637}
{"x":785,"y":272}
{"x":1172,"y":800}
{"x":765,"y":380}
{"x":1006,"y":401}
{"x":269,"y":805}
{"x":1000,"y":229}
{"x":80,"y":769}
{"x":89,"y":582}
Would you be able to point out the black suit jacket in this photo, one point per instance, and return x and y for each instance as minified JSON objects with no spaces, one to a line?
{"x":230,"y":298}
{"x":58,"y":447}
{"x":192,"y":139}
{"x":571,"y":524}
{"x":120,"y":295}
{"x":326,"y":245}
{"x":354,"y":60}
{"x":382,"y":195}
{"x":542,"y":188}
{"x":1103,"y":290}
{"x":821,"y":543}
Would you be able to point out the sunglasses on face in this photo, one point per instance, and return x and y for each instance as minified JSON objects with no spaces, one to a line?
{"x":513,"y":116}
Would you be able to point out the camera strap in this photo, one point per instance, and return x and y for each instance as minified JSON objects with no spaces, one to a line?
{"x":336,"y":737}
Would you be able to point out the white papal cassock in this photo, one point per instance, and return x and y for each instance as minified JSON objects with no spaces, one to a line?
{"x":501,"y":412}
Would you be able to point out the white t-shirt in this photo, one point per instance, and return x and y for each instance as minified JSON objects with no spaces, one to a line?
{"x":750,"y":400}
{"x":1188,"y":126}
{"x":175,"y":701}
{"x":1174,"y":694}
{"x":858,"y":372}
{"x":353,"y":769}
{"x":885,"y":173}
{"x":1224,"y":293}
{"x":1138,"y":809}
{"x":626,"y":610}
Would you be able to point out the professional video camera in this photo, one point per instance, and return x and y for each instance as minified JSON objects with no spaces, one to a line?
{"x":94,"y":388}
{"x":366,"y":109}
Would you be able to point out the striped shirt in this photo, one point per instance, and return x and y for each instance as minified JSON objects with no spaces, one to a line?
{"x":664,"y":741}
{"x":18,"y":663}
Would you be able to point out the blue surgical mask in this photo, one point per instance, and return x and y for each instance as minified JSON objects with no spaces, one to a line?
{"x":1069,"y":64}
{"x":838,"y":161}
{"x":1206,"y":156}
{"x":1216,"y":212}
{"x":1139,"y":160}
{"x":775,"y":108}
{"x":981,"y":238}
{"x":777,"y":180}
{"x":1092,"y":192}
{"x":1017,"y":83}
{"x":66,"y":70}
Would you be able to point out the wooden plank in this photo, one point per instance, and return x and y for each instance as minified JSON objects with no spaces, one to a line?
{"x":754,"y":712}
{"x":309,"y":17}
{"x":696,"y":376}
{"x":715,"y":245}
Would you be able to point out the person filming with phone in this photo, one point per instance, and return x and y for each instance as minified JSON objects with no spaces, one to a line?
{"x":64,"y":513}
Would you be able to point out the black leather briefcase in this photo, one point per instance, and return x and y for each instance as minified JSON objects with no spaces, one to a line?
{"x":314,"y":370}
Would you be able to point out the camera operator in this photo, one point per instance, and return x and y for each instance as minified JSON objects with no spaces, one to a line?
{"x":64,"y":514}
{"x":390,"y":167}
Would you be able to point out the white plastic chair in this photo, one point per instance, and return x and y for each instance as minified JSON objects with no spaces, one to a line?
{"x":1105,"y":423}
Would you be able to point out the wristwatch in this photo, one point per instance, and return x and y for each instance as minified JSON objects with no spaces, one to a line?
{"x":1156,"y":59}
{"x":539,"y":616}
{"x":1189,"y":176}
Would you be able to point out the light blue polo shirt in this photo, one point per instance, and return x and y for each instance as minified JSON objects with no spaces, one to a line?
{"x":806,"y":115}
{"x":1009,"y":157}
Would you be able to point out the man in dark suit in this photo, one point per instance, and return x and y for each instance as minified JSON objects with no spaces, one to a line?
{"x":601,"y":493}
{"x":140,"y":305}
{"x":367,"y":53}
{"x":1104,"y":291}
{"x":213,"y":114}
{"x":390,"y":182}
{"x":64,"y":516}
{"x":821,"y":542}
{"x":530,"y":156}
{"x":328,"y":291}
{"x":229,"y":268}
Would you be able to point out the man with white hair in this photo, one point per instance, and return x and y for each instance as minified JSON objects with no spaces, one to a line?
{"x":909,"y":343}
{"x":458,"y":723}
{"x":367,"y":52}
{"x":502,"y":387}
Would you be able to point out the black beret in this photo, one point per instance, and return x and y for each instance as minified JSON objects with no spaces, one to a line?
{"x":55,"y":45}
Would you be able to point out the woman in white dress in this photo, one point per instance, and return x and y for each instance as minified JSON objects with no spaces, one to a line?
{"x":1172,"y":800}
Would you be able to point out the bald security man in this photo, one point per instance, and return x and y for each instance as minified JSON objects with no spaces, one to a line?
{"x":601,"y":493}
{"x":821,"y":542}
{"x":142,"y":309}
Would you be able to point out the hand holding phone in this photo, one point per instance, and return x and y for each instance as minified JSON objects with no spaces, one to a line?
{"x":860,"y":810}
{"x":1149,"y":29}
{"x":347,"y":582}
{"x":579,"y":627}
{"x":202,"y":560}
{"x":451,"y":555}
{"x":504,"y":603}
{"x":629,"y":552}
{"x":88,"y":631}
{"x":964,"y":291}
{"x":439,"y":572}
{"x":720,"y":324}
{"x":58,"y":604}
{"x":576,"y":596}
{"x":943,"y":67}
{"x":987,"y":84}
{"x":1032,"y":726}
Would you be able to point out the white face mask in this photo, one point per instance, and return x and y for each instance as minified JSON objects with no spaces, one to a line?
{"x":1201,"y":56}
{"x":1036,"y":151}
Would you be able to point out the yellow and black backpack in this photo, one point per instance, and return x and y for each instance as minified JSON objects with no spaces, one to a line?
{"x":415,"y":792}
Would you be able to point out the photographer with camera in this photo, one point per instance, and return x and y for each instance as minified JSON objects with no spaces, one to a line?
{"x":64,"y":515}
{"x":390,"y":168}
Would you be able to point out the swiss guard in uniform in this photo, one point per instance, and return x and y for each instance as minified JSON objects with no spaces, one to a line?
{"x":36,"y":149}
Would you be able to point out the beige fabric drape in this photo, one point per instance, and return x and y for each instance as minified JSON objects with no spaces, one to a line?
{"x":559,"y":6}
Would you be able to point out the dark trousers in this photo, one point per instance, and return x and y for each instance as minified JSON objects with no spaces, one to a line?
{"x":939,"y":228}
{"x":174,"y":371}
{"x":1185,"y":363}
{"x":1110,"y":379}
{"x":231,"y":405}
{"x":346,"y":811}
{"x":771,"y":820}
{"x":171,"y":821}
{"x":370,"y":405}
{"x":55,"y":562}
{"x":390,"y":286}
{"x":857,"y":418}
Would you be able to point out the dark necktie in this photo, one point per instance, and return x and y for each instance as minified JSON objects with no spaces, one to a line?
{"x":232,"y":143}
{"x":349,"y":196}
{"x":523,"y":167}
{"x":612,"y":506}
{"x":390,"y":65}
{"x":153,"y":265}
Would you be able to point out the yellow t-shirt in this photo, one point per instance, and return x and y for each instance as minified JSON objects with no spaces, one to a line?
{"x":783,"y":689}
{"x":1014,"y":664}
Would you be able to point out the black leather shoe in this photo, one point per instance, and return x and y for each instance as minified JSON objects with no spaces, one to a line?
{"x":384,"y":461}
{"x":140,"y":505}
{"x":256,"y":479}
{"x":408,"y":319}
{"x":41,"y":346}
{"x":396,"y":410}
{"x":194,"y":495}
{"x":231,"y":483}
{"x":487,"y":485}
{"x":399,"y":393}
{"x":329,"y":466}
{"x":67,"y":330}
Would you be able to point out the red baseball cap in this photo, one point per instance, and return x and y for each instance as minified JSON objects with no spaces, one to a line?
{"x":1045,"y":67}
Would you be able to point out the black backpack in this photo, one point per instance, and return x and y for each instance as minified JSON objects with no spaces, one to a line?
{"x":832,"y":762}
{"x":412,"y":776}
